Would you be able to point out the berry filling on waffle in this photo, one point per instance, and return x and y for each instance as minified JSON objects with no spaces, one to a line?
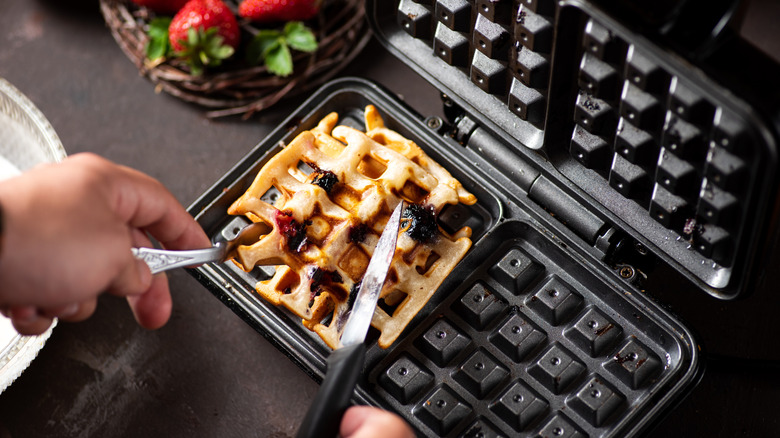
{"x":338,"y":186}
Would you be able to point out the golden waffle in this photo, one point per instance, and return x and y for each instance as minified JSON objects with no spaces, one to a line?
{"x":326,"y":224}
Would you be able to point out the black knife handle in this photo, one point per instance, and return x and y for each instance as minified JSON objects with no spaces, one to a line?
{"x":332,"y":399}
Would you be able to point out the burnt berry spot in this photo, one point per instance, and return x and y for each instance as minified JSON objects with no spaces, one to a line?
{"x":358,"y":233}
{"x":316,"y":275}
{"x":293,"y":231}
{"x":297,"y":242}
{"x":521,"y":14}
{"x":325,"y":179}
{"x":321,"y":278}
{"x":591,"y":104}
{"x":420,"y":222}
{"x":284,"y":221}
{"x":693,"y":227}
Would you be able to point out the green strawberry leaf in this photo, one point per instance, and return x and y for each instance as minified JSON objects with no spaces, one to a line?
{"x":158,"y":45}
{"x":196,"y":66}
{"x":300,"y":37}
{"x":214,"y":47}
{"x":204,"y":48}
{"x":192,"y":37}
{"x":204,"y":58}
{"x":278,"y":59}
{"x":264,"y":41}
{"x":222,"y":52}
{"x":272,"y":47}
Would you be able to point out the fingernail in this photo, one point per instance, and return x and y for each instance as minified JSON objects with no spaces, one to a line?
{"x":69,"y":310}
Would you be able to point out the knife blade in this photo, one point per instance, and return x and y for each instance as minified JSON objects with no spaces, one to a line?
{"x":346,"y":362}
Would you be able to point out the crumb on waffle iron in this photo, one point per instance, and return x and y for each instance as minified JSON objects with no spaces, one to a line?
{"x":326,"y":224}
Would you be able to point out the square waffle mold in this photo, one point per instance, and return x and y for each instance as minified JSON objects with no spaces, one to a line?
{"x":530,"y":334}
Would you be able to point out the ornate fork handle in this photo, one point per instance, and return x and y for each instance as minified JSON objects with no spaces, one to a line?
{"x":160,"y":260}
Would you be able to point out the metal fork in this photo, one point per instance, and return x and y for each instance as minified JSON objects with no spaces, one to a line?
{"x":160,"y":260}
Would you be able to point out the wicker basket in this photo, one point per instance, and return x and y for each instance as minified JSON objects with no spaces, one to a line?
{"x":236,"y":88}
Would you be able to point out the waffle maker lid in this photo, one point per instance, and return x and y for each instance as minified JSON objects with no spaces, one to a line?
{"x":635,"y":125}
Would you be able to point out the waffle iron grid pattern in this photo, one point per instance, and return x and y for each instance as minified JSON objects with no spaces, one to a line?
{"x":523,"y":348}
{"x":504,"y":52}
{"x":661,"y":143}
{"x":683,"y":158}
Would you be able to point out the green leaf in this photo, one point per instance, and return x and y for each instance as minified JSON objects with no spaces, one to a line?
{"x":270,"y":40}
{"x":158,"y":45}
{"x":196,"y":66}
{"x":215,"y":48}
{"x":156,"y":49}
{"x":193,"y":37}
{"x":204,"y":58}
{"x":159,"y":26}
{"x":300,"y":37}
{"x":204,"y":48}
{"x":211,"y":44}
{"x":272,"y":47}
{"x":278,"y":59}
{"x":222,"y":52}
{"x":264,"y":41}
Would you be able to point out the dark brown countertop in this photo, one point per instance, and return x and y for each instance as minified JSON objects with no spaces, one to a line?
{"x":207,"y":373}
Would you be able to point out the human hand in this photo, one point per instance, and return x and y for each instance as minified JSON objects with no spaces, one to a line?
{"x":370,"y":422}
{"x":68,"y":232}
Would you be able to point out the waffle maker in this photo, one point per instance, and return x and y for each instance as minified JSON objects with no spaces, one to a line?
{"x":605,"y":145}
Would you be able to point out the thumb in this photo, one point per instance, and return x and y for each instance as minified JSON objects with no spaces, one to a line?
{"x":369,"y":422}
{"x":134,"y":278}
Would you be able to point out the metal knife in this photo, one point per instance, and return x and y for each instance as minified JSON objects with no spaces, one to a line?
{"x":346,"y":362}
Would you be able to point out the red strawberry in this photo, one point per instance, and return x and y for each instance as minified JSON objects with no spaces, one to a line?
{"x":204,"y":32}
{"x":162,"y":6}
{"x":204,"y":14}
{"x":279,"y":10}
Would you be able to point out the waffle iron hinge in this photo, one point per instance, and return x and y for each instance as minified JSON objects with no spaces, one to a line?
{"x":571,"y":213}
{"x":559,"y":204}
{"x":474,"y":137}
{"x":627,"y":257}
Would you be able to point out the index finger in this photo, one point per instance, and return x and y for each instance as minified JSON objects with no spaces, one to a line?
{"x":143,"y":202}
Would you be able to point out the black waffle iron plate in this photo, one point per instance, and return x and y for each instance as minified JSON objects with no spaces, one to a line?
{"x":595,"y":155}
